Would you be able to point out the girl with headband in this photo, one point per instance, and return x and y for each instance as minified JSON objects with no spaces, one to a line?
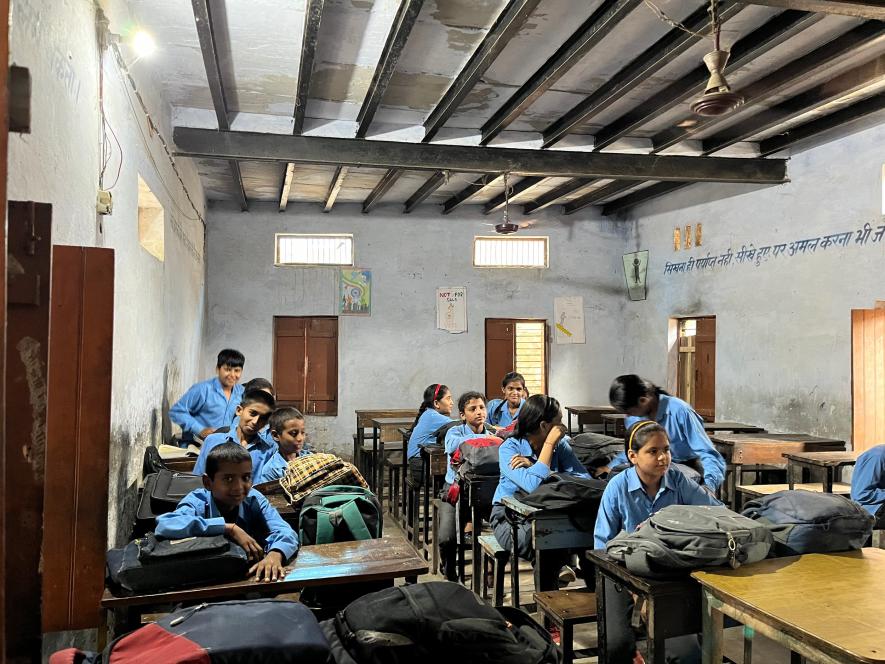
{"x":435,"y":411}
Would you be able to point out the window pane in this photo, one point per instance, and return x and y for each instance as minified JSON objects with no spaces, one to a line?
{"x":530,"y":342}
{"x":314,"y":249}
{"x":510,"y":252}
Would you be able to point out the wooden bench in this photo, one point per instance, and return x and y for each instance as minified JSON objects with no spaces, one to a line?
{"x":565,"y":609}
{"x":494,"y":556}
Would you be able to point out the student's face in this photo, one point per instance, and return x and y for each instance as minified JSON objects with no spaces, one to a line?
{"x":555,"y":422}
{"x":231,"y":483}
{"x":229,"y":376}
{"x":513,"y":392}
{"x":445,"y":405}
{"x":474,"y":414}
{"x":291,"y":438}
{"x":653,"y":458}
{"x":253,"y":417}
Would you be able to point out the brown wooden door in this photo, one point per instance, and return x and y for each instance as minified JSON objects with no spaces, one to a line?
{"x":705,"y":368}
{"x":516,"y":345}
{"x":322,"y":370}
{"x":306,"y":363}
{"x":289,"y":359}
{"x":867,"y":378}
{"x":500,"y":353}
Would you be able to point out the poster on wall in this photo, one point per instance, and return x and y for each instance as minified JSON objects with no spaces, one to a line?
{"x":451,"y":309}
{"x":568,"y":320}
{"x":355,"y":292}
{"x":635,"y":271}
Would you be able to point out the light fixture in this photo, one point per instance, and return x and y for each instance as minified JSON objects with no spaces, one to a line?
{"x":506,"y":227}
{"x":143,"y":44}
{"x":718,"y":99}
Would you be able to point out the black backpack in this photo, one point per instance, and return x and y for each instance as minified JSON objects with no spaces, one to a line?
{"x":579,"y":497}
{"x":438,"y":622}
{"x":595,"y":449}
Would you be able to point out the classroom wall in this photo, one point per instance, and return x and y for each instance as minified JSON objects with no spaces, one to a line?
{"x":387,"y":359}
{"x":159,"y":306}
{"x":783,"y":347}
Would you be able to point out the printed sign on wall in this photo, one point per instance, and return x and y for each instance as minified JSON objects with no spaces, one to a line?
{"x":568,"y":320}
{"x":355,"y":292}
{"x":451,"y":309}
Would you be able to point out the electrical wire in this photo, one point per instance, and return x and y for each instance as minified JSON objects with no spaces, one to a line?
{"x":714,"y":22}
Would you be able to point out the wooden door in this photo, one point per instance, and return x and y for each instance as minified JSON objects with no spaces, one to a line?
{"x":4,"y":136}
{"x":500,"y":353}
{"x":705,"y":368}
{"x":322,"y":366}
{"x":289,"y":360}
{"x":867,"y":378}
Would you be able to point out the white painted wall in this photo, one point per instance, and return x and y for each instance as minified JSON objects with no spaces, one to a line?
{"x":783,"y":356}
{"x":386,"y":360}
{"x":158,"y":308}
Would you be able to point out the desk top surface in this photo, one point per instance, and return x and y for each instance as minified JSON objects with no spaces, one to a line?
{"x":390,"y":557}
{"x":590,"y":409}
{"x":823,"y":459}
{"x":613,"y":416}
{"x":392,"y":421}
{"x":833,"y":601}
{"x":518,"y":507}
{"x":768,"y":438}
{"x":839,"y":488}
{"x":735,"y":427}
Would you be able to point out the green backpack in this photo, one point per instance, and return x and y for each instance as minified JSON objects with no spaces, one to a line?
{"x":338,"y":513}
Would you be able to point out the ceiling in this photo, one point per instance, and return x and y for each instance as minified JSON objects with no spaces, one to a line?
{"x":446,"y":72}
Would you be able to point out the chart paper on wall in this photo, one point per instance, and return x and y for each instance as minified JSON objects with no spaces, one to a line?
{"x":355,"y":292}
{"x":635,"y":272}
{"x":568,"y":320}
{"x":451,"y":309}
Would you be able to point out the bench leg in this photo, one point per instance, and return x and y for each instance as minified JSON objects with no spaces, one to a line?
{"x":566,"y":634}
{"x":476,"y":581}
{"x":828,"y":479}
{"x":499,"y":570}
{"x":434,"y":547}
{"x":514,"y":567}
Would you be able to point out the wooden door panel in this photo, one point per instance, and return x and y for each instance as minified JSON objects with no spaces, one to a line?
{"x":500,"y":353}
{"x":288,"y":371}
{"x":322,"y":374}
{"x":868,"y":377}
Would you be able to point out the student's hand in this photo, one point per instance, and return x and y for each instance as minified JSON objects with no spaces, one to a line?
{"x":245,"y":540}
{"x":555,"y":435}
{"x":517,"y":461}
{"x":270,"y":568}
{"x":208,"y":431}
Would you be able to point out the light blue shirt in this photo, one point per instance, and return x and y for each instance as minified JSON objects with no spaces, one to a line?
{"x":688,"y":440}
{"x":205,"y":405}
{"x":258,"y":449}
{"x":454,"y":437}
{"x":197,"y":515}
{"x":499,"y":414}
{"x":868,"y":479}
{"x":423,"y":433}
{"x":275,"y":467}
{"x":528,"y":479}
{"x":625,"y":503}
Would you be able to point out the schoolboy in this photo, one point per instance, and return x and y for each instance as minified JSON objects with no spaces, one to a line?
{"x":210,"y":404}
{"x":252,"y":414}
{"x":287,"y":431}
{"x":229,"y":505}
{"x":868,"y":483}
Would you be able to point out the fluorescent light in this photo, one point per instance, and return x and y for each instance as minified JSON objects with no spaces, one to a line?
{"x":143,"y":44}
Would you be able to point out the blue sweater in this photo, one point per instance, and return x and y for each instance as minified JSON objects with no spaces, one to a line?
{"x":499,"y":412}
{"x":868,"y":479}
{"x":422,"y":434}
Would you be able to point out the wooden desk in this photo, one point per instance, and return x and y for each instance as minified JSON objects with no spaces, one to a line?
{"x":755,"y":490}
{"x":828,"y":464}
{"x":733,"y":427}
{"x":674,"y":605}
{"x":364,"y":421}
{"x":384,"y":430}
{"x":613,"y":424}
{"x":586,"y":415}
{"x":826,"y":607}
{"x":757,"y":449}
{"x":551,"y":530}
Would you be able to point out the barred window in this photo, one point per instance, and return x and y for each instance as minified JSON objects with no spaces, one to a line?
{"x":301,"y":249}
{"x":510,"y":251}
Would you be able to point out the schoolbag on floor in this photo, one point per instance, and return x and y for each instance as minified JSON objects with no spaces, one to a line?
{"x":687,"y":537}
{"x":478,"y":456}
{"x":259,"y":631}
{"x":339,"y":514}
{"x":808,"y":522}
{"x":595,"y":449}
{"x":314,"y":471}
{"x":438,"y":622}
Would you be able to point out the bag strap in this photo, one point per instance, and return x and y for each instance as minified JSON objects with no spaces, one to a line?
{"x":325,"y":529}
{"x":354,"y":520}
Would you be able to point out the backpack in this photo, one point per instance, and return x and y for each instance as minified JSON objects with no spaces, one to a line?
{"x":595,"y":449}
{"x":309,"y":473}
{"x":438,"y":622}
{"x":170,"y":487}
{"x":149,"y":564}
{"x":260,"y":631}
{"x":578,"y":496}
{"x":808,"y":522}
{"x":686,"y":537}
{"x":340,"y":514}
{"x":152,"y":462}
{"x":477,"y":456}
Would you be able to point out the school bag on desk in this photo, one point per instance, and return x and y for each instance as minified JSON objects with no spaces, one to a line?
{"x":315,"y":471}
{"x":681,"y":538}
{"x":809,"y":522}
{"x":340,"y":514}
{"x":579,"y":497}
{"x":596,"y":449}
{"x":478,"y":456}
{"x":161,"y":493}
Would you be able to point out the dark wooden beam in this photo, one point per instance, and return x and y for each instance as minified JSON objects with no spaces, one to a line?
{"x":402,"y":26}
{"x":823,"y":125}
{"x":524,"y":185}
{"x":591,"y":32}
{"x":863,"y":35}
{"x":383,"y":186}
{"x":206,"y":34}
{"x":597,"y":195}
{"x":286,"y":187}
{"x":641,"y":196}
{"x":505,"y":28}
{"x":653,"y":59}
{"x":209,"y":144}
{"x":334,"y":188}
{"x":549,"y":198}
{"x":874,"y":9}
{"x":745,"y":50}
{"x":313,"y":15}
{"x":433,"y":183}
{"x":470,"y":191}
{"x":849,"y":82}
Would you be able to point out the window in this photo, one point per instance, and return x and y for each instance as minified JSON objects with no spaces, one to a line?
{"x":510,"y":252}
{"x":151,"y":221}
{"x":294,"y":249}
{"x":516,"y":345}
{"x":305,"y":363}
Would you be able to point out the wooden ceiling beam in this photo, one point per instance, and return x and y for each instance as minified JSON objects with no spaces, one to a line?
{"x":334,"y":188}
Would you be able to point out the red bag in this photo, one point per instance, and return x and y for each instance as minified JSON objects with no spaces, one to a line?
{"x":477,"y":456}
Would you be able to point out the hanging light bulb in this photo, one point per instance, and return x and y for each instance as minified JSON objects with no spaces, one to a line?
{"x":506,"y":227}
{"x":718,"y":99}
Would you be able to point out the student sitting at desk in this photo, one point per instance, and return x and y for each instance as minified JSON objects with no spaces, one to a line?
{"x":257,"y":384}
{"x":229,"y":505}
{"x":631,"y":497}
{"x":210,"y":404}
{"x":641,"y":399}
{"x":502,"y":412}
{"x":537,"y":448}
{"x":434,"y":413}
{"x":868,"y":483}
{"x":252,"y":414}
{"x":287,"y":430}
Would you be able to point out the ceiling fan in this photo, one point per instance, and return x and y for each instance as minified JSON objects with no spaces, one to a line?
{"x":506,"y":225}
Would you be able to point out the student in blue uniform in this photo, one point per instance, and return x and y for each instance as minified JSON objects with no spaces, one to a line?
{"x":502,"y":412}
{"x":229,"y":505}
{"x":868,"y":483}
{"x":641,"y":399}
{"x":210,"y":404}
{"x":649,"y":484}
{"x":258,"y":384}
{"x":252,"y":414}
{"x":287,"y":429}
{"x":435,"y":412}
{"x":538,"y":447}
